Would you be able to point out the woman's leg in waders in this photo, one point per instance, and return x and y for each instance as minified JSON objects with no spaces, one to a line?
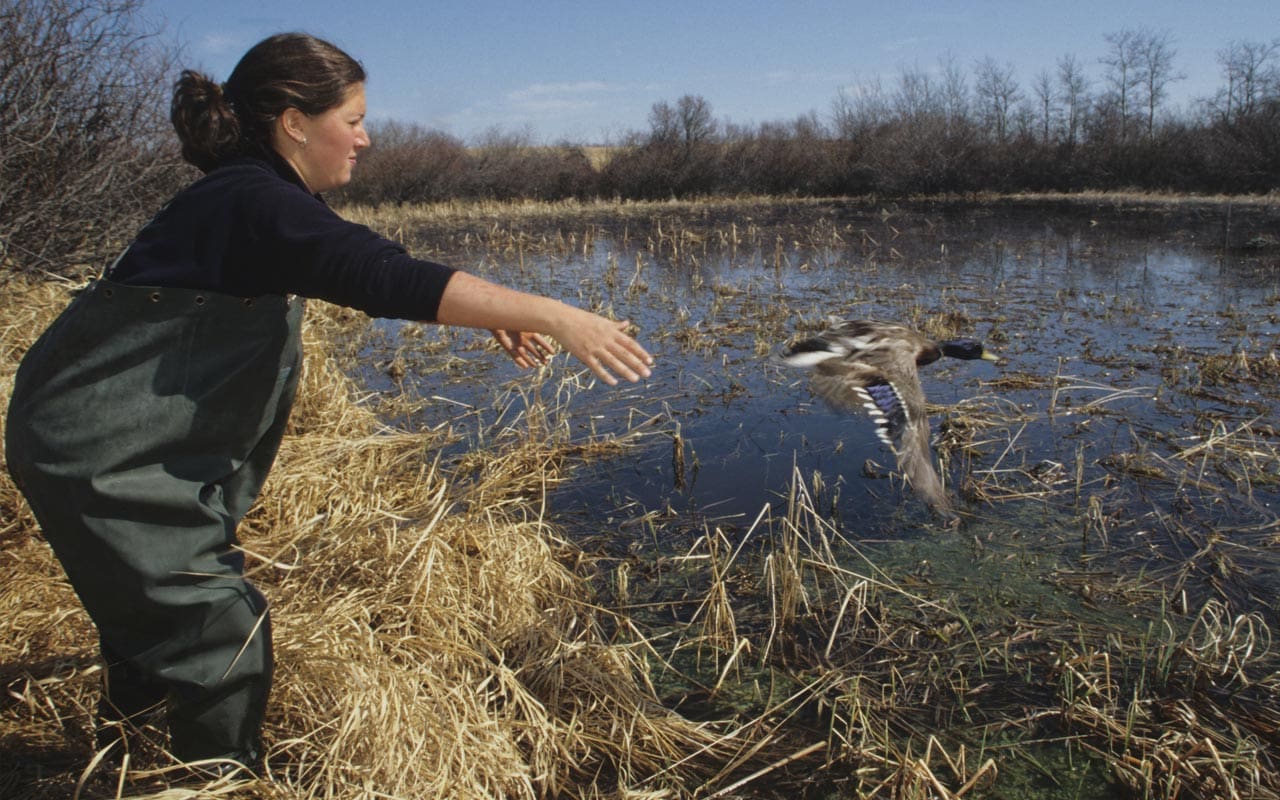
{"x":157,"y":571}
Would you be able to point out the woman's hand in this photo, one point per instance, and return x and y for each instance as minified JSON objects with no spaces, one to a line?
{"x":602,"y":344}
{"x":526,"y":349}
{"x":520,"y":321}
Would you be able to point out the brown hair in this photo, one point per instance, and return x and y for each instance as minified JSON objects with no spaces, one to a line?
{"x":288,"y":70}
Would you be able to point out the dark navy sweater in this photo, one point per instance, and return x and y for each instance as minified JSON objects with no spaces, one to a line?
{"x":250,"y":228}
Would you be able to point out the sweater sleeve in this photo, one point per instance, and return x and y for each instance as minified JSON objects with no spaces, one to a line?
{"x":313,"y":252}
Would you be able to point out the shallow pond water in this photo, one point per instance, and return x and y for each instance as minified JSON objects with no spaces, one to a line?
{"x":1123,"y":451}
{"x":1127,"y":339}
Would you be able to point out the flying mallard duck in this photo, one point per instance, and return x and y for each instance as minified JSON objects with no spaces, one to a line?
{"x":872,"y":365}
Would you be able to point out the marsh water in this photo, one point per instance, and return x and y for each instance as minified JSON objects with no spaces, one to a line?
{"x":1128,"y":430}
{"x":1127,"y":338}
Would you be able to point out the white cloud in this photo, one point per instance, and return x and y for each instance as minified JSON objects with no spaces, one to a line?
{"x":909,"y":43}
{"x":784,"y":77}
{"x":541,"y":90}
{"x":556,"y":98}
{"x":217,"y":44}
{"x":572,"y":109}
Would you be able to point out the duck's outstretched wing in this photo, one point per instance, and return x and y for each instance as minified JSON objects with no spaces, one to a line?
{"x":853,"y":340}
{"x":915,"y":457}
{"x":884,"y":383}
{"x":886,"y":407}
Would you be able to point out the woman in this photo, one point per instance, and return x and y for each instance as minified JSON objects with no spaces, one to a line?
{"x":144,"y":421}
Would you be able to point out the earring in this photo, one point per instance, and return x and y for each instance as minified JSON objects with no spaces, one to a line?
{"x":304,"y":141}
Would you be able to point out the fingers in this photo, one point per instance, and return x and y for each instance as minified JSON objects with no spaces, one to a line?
{"x":603,"y":345}
{"x":621,"y":354}
{"x":511,"y":347}
{"x":637,"y":355}
{"x":539,"y":348}
{"x":525,"y":349}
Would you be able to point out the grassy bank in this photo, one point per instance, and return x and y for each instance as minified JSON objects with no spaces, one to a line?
{"x":432,"y":637}
{"x":499,"y":230}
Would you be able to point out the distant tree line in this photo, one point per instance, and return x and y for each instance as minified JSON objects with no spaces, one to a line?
{"x":952,"y":129}
{"x":86,"y":152}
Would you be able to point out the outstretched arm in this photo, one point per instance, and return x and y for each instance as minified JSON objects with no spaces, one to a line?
{"x":600,"y":343}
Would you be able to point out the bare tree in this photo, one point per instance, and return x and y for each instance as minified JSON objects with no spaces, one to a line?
{"x":1155,"y":55}
{"x":860,"y":109}
{"x":807,"y":127}
{"x":407,"y":164}
{"x":1046,"y":99}
{"x":1025,"y":120}
{"x":1252,"y":75}
{"x":998,"y":93}
{"x":84,"y":151}
{"x":675,"y":159}
{"x":916,"y":95}
{"x":664,"y":125}
{"x":688,"y":123}
{"x":1073,"y":88}
{"x":955,"y":92}
{"x":1124,"y":74}
{"x":697,"y":125}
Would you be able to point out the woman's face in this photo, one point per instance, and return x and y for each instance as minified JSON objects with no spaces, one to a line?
{"x":333,"y":140}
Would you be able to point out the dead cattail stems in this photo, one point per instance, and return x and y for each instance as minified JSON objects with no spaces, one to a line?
{"x":677,"y":458}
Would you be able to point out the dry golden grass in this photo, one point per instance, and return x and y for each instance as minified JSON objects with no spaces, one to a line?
{"x":431,"y":640}
{"x":599,"y":155}
{"x":392,"y":218}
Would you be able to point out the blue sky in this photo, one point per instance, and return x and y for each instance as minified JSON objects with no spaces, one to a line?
{"x":588,"y":72}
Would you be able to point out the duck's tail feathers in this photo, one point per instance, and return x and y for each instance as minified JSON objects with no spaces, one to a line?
{"x":915,"y":459}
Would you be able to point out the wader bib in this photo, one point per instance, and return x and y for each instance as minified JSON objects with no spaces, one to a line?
{"x":142,"y":425}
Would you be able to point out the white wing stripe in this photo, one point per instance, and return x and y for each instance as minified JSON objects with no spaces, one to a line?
{"x":809,"y":358}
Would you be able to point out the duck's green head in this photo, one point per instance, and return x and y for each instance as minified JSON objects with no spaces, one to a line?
{"x":967,"y":349}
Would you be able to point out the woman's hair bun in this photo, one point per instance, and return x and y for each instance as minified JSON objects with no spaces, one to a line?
{"x":207,"y":125}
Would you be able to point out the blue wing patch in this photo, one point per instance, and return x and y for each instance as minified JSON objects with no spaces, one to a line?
{"x":887,"y":409}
